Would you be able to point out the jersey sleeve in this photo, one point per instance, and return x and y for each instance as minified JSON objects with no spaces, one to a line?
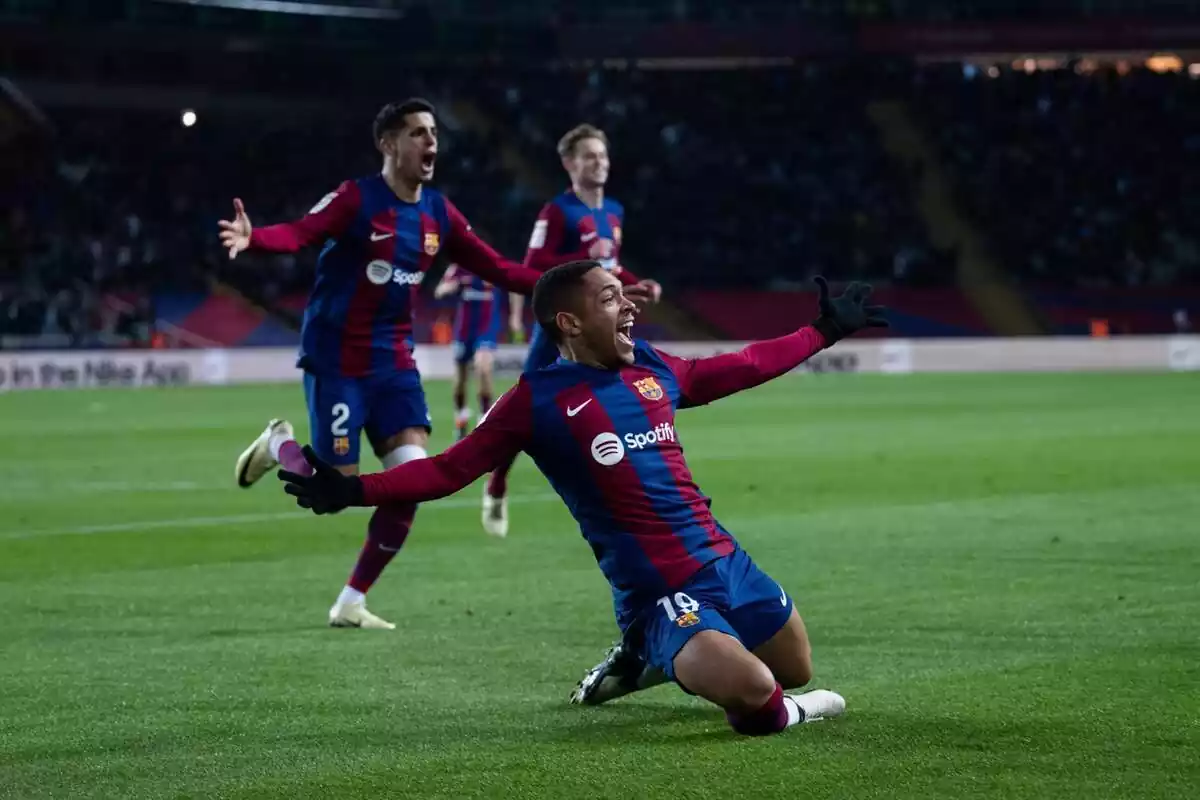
{"x":547,"y":237}
{"x":477,"y":257}
{"x":502,"y":433}
{"x":702,"y":380}
{"x":623,"y":273}
{"x":328,"y":218}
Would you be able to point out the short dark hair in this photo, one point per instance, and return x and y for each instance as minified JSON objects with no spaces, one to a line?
{"x":566,"y":145}
{"x":553,"y":291}
{"x":391,"y":117}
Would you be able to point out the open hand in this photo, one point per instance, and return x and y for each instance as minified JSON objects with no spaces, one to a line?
{"x":235,"y":234}
{"x":847,"y":313}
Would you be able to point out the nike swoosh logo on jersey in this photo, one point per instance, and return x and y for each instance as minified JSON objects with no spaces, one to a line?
{"x":587,"y":237}
{"x":573,"y":411}
{"x":379,"y":237}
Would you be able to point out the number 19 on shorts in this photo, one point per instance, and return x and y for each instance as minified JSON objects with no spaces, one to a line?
{"x":682,"y":605}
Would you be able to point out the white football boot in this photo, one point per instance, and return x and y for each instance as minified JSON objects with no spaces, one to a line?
{"x":256,"y":460}
{"x":495,"y":515}
{"x":820,"y":704}
{"x":355,"y":615}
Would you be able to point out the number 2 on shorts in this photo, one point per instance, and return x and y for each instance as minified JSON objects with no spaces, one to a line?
{"x":683,"y":605}
{"x":341,"y":415}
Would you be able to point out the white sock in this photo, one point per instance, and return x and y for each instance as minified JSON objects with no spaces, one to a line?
{"x":350,"y":596}
{"x":275,"y":441}
{"x":795,"y":715}
{"x":462,"y":415}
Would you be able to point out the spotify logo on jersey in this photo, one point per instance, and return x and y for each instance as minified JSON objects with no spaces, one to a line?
{"x":607,"y":449}
{"x":379,"y":272}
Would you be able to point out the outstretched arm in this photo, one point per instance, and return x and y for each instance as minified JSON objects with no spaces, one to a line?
{"x":328,"y":218}
{"x":501,"y":434}
{"x":477,"y":257}
{"x":702,"y":380}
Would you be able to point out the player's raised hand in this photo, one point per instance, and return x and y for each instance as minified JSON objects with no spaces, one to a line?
{"x":643,"y":293}
{"x":847,"y":313}
{"x":235,"y":234}
{"x":516,"y":330}
{"x":326,"y":491}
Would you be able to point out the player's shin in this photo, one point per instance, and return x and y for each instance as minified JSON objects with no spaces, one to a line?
{"x":494,"y":515}
{"x":386,"y":534}
{"x":387,"y":531}
{"x":773,"y":716}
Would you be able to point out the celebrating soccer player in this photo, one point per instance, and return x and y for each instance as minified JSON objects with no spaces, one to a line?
{"x":476,"y":331}
{"x":581,"y":223}
{"x":380,"y":235}
{"x":600,"y":425}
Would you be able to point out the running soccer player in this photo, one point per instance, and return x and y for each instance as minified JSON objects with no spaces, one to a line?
{"x":600,"y":425}
{"x":476,"y":331}
{"x":581,"y":223}
{"x":380,"y":235}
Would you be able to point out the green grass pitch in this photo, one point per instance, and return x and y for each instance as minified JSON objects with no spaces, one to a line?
{"x":1000,"y":573}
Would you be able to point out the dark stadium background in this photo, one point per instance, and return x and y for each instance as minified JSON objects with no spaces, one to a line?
{"x":994,"y":167}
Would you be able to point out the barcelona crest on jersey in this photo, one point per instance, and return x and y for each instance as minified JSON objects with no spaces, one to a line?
{"x":432,"y":242}
{"x":649,"y":388}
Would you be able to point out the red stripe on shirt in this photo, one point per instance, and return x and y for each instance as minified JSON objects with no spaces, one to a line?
{"x":659,"y":411}
{"x":627,"y":503}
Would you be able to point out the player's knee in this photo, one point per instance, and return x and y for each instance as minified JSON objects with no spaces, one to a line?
{"x":719,"y":669}
{"x":757,"y":686}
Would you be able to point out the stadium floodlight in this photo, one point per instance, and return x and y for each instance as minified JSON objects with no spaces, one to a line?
{"x":294,"y":7}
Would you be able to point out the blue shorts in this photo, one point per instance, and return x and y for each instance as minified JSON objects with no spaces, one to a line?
{"x":731,"y":595}
{"x":341,"y":409}
{"x":465,"y":349}
{"x":542,"y":351}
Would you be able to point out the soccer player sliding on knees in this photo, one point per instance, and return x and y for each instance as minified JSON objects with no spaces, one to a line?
{"x":599,"y":423}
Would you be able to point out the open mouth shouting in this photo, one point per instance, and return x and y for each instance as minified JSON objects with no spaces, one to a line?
{"x":427,"y":162}
{"x":625,"y":333}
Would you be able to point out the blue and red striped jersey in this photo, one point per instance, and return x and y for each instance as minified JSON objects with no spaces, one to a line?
{"x":566,"y":228}
{"x":477,"y":313}
{"x":607,"y":442}
{"x":377,"y":251}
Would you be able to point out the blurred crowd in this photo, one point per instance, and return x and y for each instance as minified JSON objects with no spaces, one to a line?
{"x":130,"y":205}
{"x":1088,"y":179}
{"x":731,"y":177}
{"x":750,"y":178}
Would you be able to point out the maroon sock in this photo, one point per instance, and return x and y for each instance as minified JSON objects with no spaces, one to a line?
{"x":291,"y":459}
{"x":771,"y":718}
{"x":386,"y":533}
{"x":460,"y":399}
{"x":485,"y":402}
{"x":498,"y":481}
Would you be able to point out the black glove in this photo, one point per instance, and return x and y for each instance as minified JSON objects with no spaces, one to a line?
{"x":326,"y":491}
{"x":847,"y":313}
